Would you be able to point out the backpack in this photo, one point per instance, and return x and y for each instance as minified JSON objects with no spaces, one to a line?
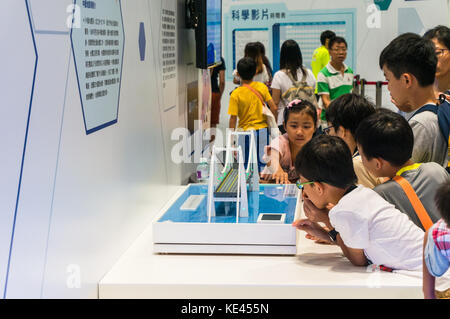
{"x":300,"y":90}
{"x":442,"y":110}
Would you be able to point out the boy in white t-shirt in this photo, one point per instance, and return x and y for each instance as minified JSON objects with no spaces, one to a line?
{"x":367,"y":228}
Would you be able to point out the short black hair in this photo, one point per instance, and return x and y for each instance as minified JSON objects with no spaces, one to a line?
{"x":301,"y":106}
{"x":442,"y":200}
{"x":410,"y":53}
{"x":337,"y":39}
{"x":386,"y":135}
{"x":326,"y":159}
{"x":246,"y":68}
{"x":440,"y":33}
{"x":348,"y":111}
{"x":328,"y":34}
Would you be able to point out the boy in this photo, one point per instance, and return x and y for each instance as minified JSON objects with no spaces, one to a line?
{"x":321,"y":55}
{"x":385,"y":141}
{"x":409,"y":65}
{"x":245,"y":104}
{"x":343,"y":117}
{"x":366,"y":227}
{"x":336,"y":78}
{"x":436,"y":252}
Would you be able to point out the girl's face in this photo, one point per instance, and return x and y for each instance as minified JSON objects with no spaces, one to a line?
{"x":443,"y":55}
{"x":300,"y":128}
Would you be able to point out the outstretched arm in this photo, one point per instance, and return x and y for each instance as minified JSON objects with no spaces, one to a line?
{"x":356,"y":256}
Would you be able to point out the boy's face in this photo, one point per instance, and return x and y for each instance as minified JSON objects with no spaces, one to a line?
{"x":310,"y":191}
{"x":370,"y":165}
{"x":398,"y":90}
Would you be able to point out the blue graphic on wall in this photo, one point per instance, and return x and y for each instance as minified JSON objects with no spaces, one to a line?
{"x":142,"y":41}
{"x":272,"y":24}
{"x":383,"y":4}
{"x":98,"y":44}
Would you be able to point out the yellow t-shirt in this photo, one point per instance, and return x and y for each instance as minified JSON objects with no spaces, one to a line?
{"x":247,"y":106}
{"x":320,"y":59}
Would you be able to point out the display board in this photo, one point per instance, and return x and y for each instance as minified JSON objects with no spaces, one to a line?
{"x":308,"y":35}
{"x":272,"y":24}
{"x":97,"y":45}
{"x":243,"y":36}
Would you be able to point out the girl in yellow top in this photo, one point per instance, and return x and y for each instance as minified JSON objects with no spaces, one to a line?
{"x":246,"y":106}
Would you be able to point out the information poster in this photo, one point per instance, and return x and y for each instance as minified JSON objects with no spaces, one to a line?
{"x":97,"y":43}
{"x":273,"y":23}
{"x":169,"y":54}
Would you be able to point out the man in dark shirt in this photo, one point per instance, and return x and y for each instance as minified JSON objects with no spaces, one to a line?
{"x":217,"y":88}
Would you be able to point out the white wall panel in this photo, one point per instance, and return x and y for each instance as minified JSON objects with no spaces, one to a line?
{"x":17,"y":64}
{"x":83,"y":198}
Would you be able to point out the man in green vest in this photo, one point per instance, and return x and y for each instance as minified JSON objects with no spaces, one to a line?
{"x":336,"y":78}
{"x":321,"y":56}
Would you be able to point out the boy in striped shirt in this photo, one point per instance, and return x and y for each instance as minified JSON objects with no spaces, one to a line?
{"x":336,"y":78}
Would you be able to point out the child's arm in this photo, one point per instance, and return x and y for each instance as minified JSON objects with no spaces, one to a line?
{"x":356,"y":256}
{"x":276,"y":96}
{"x":428,"y":281}
{"x":233,"y":120}
{"x":279,"y":175}
{"x":326,"y":100}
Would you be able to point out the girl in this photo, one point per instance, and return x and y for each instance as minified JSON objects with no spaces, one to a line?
{"x":291,"y":61}
{"x":300,"y":119}
{"x":252,"y":50}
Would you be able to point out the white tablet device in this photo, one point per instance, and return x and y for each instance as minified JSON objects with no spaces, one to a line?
{"x":271,"y":218}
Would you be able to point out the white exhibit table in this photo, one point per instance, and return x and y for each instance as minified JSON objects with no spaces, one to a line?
{"x":317,"y":271}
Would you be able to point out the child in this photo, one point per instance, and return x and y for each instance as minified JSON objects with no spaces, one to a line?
{"x":409,"y":65}
{"x":436,"y":253}
{"x":366,"y":227}
{"x":385,"y":141}
{"x":343,"y":117}
{"x":299,"y":120}
{"x":245,"y":104}
{"x":253,"y":50}
{"x":291,"y":68}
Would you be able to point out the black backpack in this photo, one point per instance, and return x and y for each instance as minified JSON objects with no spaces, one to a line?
{"x":442,"y":110}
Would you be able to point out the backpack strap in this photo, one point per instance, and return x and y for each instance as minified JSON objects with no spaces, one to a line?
{"x":291,"y":77}
{"x":420,"y":211}
{"x":255,"y":92}
{"x":428,"y":107}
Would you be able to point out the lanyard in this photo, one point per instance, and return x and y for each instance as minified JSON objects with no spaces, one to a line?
{"x":408,"y":168}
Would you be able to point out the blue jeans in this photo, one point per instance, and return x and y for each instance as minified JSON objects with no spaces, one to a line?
{"x":261,"y":140}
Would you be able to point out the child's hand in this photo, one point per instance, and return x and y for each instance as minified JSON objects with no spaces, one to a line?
{"x":318,"y":240}
{"x":315,"y":214}
{"x":280,"y":177}
{"x":312,"y":228}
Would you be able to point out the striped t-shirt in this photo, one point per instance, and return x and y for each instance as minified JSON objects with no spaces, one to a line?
{"x":332,"y":82}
